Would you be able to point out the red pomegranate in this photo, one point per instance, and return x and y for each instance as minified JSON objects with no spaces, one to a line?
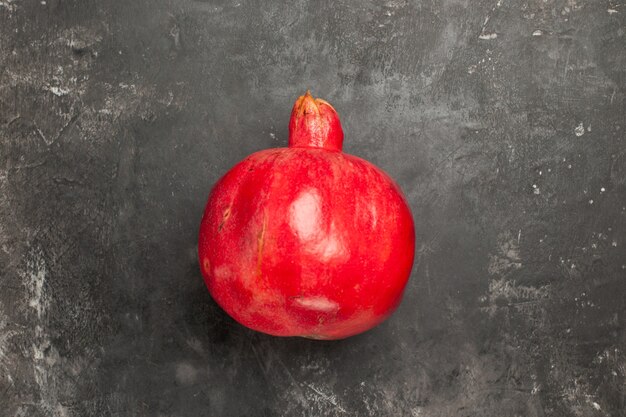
{"x":307,"y":240}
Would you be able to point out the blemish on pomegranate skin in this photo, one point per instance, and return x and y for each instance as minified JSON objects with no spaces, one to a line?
{"x":225,"y":217}
{"x":206,"y":264}
{"x":260,"y":244}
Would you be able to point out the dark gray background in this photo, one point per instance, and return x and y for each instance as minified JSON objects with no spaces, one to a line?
{"x":503,"y":121}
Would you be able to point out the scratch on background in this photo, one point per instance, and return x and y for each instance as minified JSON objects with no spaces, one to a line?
{"x":44,"y":354}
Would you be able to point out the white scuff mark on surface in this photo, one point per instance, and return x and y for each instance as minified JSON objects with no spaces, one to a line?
{"x":536,"y":388}
{"x":9,"y":5}
{"x":579,"y":398}
{"x":537,"y":33}
{"x":5,"y":337}
{"x":131,"y":87}
{"x":501,"y":288}
{"x":416,"y":412}
{"x":196,"y":345}
{"x":508,"y":256}
{"x":579,"y":130}
{"x":488,"y":36}
{"x":513,"y":293}
{"x":394,"y":4}
{"x":58,"y":91}
{"x":186,"y":374}
{"x":81,"y":38}
{"x":611,"y":11}
{"x":36,"y":275}
{"x":327,"y":397}
{"x":483,"y":34}
{"x":44,"y":354}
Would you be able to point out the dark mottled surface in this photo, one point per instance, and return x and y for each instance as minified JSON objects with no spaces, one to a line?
{"x":502,"y":120}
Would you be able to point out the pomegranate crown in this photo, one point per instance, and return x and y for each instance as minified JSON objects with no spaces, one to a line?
{"x":314,"y":123}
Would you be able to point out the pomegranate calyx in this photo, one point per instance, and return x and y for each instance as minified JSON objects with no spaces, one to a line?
{"x":314,"y":123}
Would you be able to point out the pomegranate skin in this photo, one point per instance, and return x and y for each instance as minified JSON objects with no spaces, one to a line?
{"x":307,"y":240}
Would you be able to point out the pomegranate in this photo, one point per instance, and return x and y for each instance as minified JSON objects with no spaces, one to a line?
{"x":307,"y":240}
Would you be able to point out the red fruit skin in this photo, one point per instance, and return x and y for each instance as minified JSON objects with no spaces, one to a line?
{"x":307,"y":241}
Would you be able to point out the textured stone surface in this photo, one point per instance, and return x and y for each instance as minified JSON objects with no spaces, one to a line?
{"x":502,"y":120}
